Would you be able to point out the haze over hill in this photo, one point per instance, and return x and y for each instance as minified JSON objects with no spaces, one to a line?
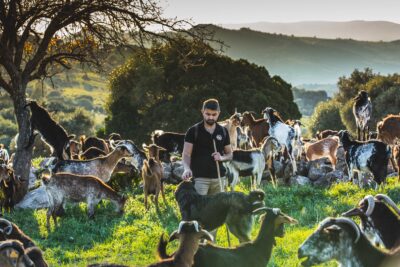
{"x":357,"y":30}
{"x":304,"y":60}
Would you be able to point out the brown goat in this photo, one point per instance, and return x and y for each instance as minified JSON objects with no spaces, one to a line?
{"x":389,"y":129}
{"x":326,"y":133}
{"x":326,"y":147}
{"x":396,"y":156}
{"x":78,"y":188}
{"x":231,"y":124}
{"x":10,"y":185}
{"x":91,"y":153}
{"x":152,"y":172}
{"x":258,"y":128}
{"x":189,"y":235}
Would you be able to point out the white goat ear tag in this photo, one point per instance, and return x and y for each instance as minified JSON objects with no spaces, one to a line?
{"x":219,"y":137}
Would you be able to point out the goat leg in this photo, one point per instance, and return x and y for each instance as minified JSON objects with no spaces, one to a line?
{"x":163,"y":195}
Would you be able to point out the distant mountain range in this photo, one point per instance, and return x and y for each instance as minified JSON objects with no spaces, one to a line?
{"x":357,"y":30}
{"x":305,"y":60}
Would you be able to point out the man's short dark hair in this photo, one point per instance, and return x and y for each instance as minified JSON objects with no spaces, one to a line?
{"x":211,"y":104}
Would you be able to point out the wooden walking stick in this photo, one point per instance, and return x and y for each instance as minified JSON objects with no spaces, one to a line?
{"x":222,"y":188}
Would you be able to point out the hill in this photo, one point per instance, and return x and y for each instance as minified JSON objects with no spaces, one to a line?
{"x":357,"y":30}
{"x":303,"y":60}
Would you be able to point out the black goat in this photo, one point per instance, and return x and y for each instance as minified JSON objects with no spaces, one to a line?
{"x":233,"y":208}
{"x":9,"y":186}
{"x":189,"y":235}
{"x":371,"y":156}
{"x":380,"y":220}
{"x":52,"y":132}
{"x":172,"y":142}
{"x":92,"y":141}
{"x":255,"y":253}
{"x":341,"y":239}
{"x":362,"y":109}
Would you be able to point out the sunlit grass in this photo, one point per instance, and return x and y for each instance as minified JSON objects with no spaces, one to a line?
{"x":132,"y":239}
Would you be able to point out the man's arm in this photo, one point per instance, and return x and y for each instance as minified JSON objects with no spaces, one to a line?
{"x":227,"y":154}
{"x":187,"y":158}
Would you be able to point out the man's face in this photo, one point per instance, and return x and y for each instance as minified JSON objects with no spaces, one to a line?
{"x":210,"y":116}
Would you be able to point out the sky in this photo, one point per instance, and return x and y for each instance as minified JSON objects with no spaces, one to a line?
{"x":234,"y":11}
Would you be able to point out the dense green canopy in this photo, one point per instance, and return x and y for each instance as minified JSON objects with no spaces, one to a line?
{"x":165,"y":88}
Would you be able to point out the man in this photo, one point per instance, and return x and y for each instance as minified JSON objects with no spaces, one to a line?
{"x":4,"y":158}
{"x":199,"y":156}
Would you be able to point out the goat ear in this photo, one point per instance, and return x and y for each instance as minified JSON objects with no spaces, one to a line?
{"x":72,"y":136}
{"x":145,"y":147}
{"x":161,"y":148}
{"x":173,"y":236}
{"x":332,"y":229}
{"x":207,"y":235}
{"x":283,"y":218}
{"x":353,"y":212}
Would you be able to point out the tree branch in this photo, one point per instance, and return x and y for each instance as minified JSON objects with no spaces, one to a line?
{"x":5,"y":85}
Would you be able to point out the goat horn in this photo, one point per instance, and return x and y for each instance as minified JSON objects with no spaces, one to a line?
{"x":346,"y":221}
{"x":196,"y":225}
{"x":174,"y":235}
{"x":389,"y":201}
{"x":207,"y":235}
{"x":259,"y":210}
{"x":371,"y":204}
{"x":8,"y":229}
{"x":112,"y":144}
{"x":181,"y":225}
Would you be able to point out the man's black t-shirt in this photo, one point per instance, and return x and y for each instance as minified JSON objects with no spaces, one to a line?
{"x":202,"y":163}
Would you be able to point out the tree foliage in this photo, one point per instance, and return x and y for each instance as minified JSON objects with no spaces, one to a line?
{"x":165,"y":89}
{"x":384,"y":92}
{"x":326,"y":116}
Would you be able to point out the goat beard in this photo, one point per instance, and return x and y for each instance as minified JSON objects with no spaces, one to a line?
{"x":210,"y":122}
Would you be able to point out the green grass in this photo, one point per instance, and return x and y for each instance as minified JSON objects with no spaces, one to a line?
{"x":132,"y":238}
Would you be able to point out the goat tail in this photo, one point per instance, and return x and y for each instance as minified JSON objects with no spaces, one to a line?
{"x":155,"y":134}
{"x":162,"y":248}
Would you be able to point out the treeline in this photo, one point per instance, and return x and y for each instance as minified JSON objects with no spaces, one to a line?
{"x":336,"y":113}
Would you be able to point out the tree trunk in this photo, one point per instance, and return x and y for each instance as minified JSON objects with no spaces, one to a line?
{"x":23,"y":154}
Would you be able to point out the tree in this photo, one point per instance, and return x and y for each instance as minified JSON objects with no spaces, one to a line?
{"x":326,"y":116}
{"x":39,"y":38}
{"x":160,"y":91}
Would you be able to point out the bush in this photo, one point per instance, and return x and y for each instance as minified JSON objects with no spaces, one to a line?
{"x":326,"y":116}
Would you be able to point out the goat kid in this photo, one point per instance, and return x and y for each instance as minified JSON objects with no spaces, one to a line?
{"x":152,"y":172}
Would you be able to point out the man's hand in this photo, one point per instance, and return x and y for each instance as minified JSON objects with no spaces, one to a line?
{"x":217,"y":156}
{"x":187,"y":174}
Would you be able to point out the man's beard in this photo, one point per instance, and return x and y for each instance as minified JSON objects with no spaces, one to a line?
{"x":210,"y":122}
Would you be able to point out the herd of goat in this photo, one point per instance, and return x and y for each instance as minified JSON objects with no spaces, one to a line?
{"x":80,"y":172}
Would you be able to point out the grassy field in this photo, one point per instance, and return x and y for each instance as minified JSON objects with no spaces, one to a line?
{"x":131,"y":239}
